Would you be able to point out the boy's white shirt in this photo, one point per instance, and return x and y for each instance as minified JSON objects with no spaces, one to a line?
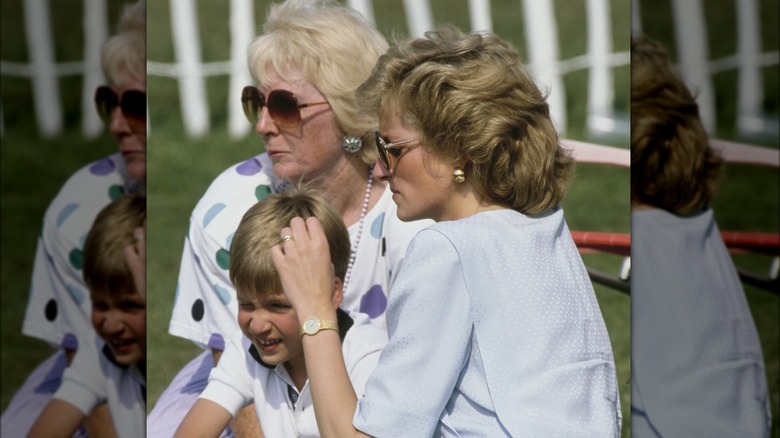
{"x":93,"y":379}
{"x":239,"y":380}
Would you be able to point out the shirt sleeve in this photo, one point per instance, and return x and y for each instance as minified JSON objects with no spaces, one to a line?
{"x":362,"y":347}
{"x":84,"y":381}
{"x":205,"y":306}
{"x":430,"y":330}
{"x":231,"y":382}
{"x":59,"y":307}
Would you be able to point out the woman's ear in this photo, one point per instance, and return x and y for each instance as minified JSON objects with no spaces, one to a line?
{"x":338,"y":292}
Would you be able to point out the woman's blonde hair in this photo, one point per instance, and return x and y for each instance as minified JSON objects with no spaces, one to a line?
{"x":124,"y":54}
{"x":251,"y":267}
{"x":672,"y":164}
{"x":471,"y":100}
{"x":333,"y":46}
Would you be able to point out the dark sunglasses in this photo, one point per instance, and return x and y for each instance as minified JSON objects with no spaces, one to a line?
{"x":390,"y":153}
{"x":282,"y":105}
{"x":132,"y":103}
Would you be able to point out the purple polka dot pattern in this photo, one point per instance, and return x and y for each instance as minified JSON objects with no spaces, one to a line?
{"x":374,"y":302}
{"x":249,"y":167}
{"x":102,"y":167}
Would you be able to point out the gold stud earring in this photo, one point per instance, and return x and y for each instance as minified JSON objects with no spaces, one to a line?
{"x":459,"y":175}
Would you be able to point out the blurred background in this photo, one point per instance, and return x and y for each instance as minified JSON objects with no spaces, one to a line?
{"x":577,"y":49}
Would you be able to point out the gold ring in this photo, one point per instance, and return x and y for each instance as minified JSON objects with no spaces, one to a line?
{"x":285,"y":238}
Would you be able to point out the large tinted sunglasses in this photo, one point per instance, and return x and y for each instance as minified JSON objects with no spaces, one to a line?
{"x":132,"y":103}
{"x":283,"y":106}
{"x":390,"y":153}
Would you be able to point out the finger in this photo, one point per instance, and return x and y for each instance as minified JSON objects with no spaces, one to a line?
{"x":299,"y":230}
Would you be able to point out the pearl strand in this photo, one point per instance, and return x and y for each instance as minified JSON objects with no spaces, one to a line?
{"x":353,"y":252}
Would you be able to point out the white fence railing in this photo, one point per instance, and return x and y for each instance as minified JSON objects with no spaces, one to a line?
{"x":541,"y":39}
{"x":541,"y":36}
{"x":697,"y":69}
{"x":44,"y":71}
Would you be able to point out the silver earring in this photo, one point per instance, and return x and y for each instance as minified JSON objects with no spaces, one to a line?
{"x":351,"y":143}
{"x":459,"y":175}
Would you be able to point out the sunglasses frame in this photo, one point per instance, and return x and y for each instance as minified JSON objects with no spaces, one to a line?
{"x":253,"y":101}
{"x":107,"y":100}
{"x":383,"y":147}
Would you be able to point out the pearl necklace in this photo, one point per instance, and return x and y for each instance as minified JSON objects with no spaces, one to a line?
{"x":361,"y":222}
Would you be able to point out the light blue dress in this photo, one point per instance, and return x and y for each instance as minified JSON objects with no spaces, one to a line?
{"x":494,"y":331}
{"x":696,"y":362}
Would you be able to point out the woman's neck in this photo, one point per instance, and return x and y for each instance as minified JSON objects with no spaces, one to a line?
{"x":346,"y":191}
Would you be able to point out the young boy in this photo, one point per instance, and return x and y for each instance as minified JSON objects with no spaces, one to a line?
{"x":263,"y":361}
{"x":113,"y":369}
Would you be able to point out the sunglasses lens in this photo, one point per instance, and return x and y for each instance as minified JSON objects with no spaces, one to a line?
{"x":105,"y":102}
{"x":134,"y":107}
{"x":251,"y":102}
{"x":380,"y":150}
{"x":283,"y":107}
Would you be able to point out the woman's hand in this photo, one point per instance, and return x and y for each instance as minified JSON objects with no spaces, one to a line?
{"x":305,"y":269}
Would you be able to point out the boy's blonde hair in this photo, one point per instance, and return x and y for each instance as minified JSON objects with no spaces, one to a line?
{"x":105,"y":269}
{"x":251,"y":267}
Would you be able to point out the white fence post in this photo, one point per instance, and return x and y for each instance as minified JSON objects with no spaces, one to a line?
{"x":479,"y":14}
{"x":365,"y":8}
{"x":541,"y":34}
{"x":192,"y":93}
{"x":242,"y":30}
{"x":693,"y":56}
{"x":418,"y":17}
{"x":95,"y":34}
{"x":751,"y":89}
{"x":43,"y":68}
{"x":600,"y":85}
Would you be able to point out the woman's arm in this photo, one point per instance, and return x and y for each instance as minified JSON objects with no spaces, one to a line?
{"x":58,"y":419}
{"x":205,"y":419}
{"x":307,"y":275}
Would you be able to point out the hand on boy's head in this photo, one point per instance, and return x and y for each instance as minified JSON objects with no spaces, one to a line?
{"x":304,"y":265}
{"x":135,"y":257}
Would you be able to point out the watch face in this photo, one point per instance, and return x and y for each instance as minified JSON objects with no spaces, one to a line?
{"x":311,"y":325}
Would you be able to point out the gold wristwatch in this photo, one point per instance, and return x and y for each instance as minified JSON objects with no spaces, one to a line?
{"x":312,"y":326}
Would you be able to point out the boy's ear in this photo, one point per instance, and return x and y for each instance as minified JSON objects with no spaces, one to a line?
{"x":338,"y":292}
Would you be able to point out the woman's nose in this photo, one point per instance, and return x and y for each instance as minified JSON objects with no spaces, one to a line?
{"x":380,"y":172}
{"x":265,"y":124}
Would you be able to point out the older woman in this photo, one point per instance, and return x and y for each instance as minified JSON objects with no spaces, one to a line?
{"x":59,"y":307}
{"x":307,"y":64}
{"x":494,"y":329}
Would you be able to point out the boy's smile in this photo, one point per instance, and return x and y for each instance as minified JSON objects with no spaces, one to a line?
{"x":121,"y":322}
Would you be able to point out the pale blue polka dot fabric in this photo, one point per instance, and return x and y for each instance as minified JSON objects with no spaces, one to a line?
{"x":59,"y":308}
{"x":205,"y":309}
{"x":494,"y":330}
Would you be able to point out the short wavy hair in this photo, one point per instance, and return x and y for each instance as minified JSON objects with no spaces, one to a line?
{"x":333,"y":46}
{"x":673,"y":166}
{"x":123,"y":55}
{"x":471,"y":99}
{"x":251,"y":269}
{"x":105,"y":270}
